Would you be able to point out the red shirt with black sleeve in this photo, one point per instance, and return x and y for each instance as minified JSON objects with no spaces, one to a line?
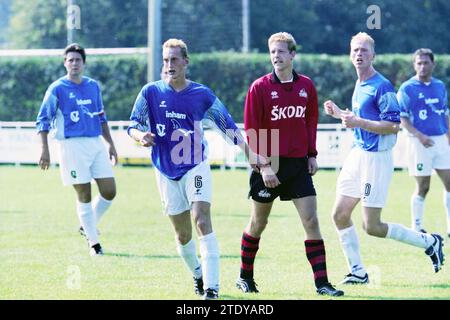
{"x":282,"y":115}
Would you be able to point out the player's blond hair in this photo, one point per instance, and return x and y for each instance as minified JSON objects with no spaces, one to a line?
{"x":362,"y":36}
{"x":283,"y":37}
{"x":174,"y":43}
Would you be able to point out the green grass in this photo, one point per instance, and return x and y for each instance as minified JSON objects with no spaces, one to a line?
{"x":43,"y":257}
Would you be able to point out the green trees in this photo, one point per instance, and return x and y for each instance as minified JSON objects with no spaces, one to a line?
{"x":326,"y":26}
{"x":104,"y":23}
{"x":37,"y":24}
{"x":320,"y":26}
{"x":5,"y":12}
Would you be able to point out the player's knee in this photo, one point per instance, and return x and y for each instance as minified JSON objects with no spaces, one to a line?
{"x":311,"y":223}
{"x":423,"y":190}
{"x":109,"y":194}
{"x":258,"y":224}
{"x":203,"y":224}
{"x":340,"y":218}
{"x":84,"y":197}
{"x":183,"y":237}
{"x":374,"y":230}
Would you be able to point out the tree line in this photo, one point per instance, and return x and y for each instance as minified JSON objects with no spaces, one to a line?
{"x":320,"y":26}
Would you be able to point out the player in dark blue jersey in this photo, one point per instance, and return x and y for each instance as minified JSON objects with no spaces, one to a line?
{"x":367,"y":171}
{"x":168,"y":115}
{"x":73,"y":110}
{"x":425,"y":115}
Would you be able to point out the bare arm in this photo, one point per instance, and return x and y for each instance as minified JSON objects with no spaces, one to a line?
{"x":423,"y":138}
{"x":312,"y":166}
{"x":332,"y":109}
{"x":107,"y":136}
{"x":448,"y":126}
{"x":44,"y":161}
{"x":146,"y":139}
{"x":350,"y":120}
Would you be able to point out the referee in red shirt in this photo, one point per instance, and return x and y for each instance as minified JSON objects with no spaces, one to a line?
{"x":280,"y":118}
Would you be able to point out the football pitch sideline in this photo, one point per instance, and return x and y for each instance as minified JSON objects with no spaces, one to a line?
{"x":42,"y":256}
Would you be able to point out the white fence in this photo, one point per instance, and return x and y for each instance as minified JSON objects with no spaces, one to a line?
{"x":19,"y":144}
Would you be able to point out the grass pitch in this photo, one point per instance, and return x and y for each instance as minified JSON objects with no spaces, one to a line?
{"x":43,"y":257}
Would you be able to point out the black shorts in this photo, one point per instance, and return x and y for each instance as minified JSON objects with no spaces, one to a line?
{"x":295,"y":180}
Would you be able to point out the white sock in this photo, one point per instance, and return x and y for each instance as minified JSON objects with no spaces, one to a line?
{"x":209,"y":251}
{"x":87,"y":221}
{"x":350,"y":246}
{"x":408,"y":236}
{"x":447,"y":205}
{"x":188,"y":253}
{"x":417,"y":209}
{"x":100,"y":206}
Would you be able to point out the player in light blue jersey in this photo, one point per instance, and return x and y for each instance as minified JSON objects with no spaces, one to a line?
{"x":168,"y":116}
{"x":425,"y":115}
{"x":368,"y":169}
{"x":73,"y":110}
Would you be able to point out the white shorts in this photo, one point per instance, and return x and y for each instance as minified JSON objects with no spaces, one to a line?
{"x":177,"y":196}
{"x":366,"y":176}
{"x":423,"y":160}
{"x":83,"y":159}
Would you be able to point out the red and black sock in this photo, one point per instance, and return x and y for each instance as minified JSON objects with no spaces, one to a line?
{"x":315,"y":252}
{"x":249,"y":247}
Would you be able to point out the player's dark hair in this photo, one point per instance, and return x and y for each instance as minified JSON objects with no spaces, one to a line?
{"x":75,"y":47}
{"x":423,"y":52}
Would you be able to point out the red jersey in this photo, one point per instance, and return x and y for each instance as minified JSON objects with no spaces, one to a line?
{"x":292,"y":108}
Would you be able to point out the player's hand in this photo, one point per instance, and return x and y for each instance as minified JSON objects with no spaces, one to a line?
{"x":332,"y":109}
{"x":269,"y":177}
{"x":44,"y":161}
{"x":312,"y":166}
{"x":350,"y":120}
{"x":260,"y":162}
{"x":425,"y":140}
{"x":147,"y":139}
{"x":113,"y":155}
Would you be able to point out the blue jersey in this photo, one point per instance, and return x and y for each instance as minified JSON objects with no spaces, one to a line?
{"x":176,"y":120}
{"x":425,"y":105}
{"x":71,"y":109}
{"x":374,"y":99}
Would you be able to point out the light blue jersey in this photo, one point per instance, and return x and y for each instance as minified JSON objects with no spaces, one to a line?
{"x":425,"y":105}
{"x":176,"y":120}
{"x":374,"y":99}
{"x":71,"y":109}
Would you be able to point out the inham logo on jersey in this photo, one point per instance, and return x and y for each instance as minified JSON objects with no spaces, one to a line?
{"x":274,"y":95}
{"x":175,"y":115}
{"x":432,"y":101}
{"x":303,"y":93}
{"x":84,"y":102}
